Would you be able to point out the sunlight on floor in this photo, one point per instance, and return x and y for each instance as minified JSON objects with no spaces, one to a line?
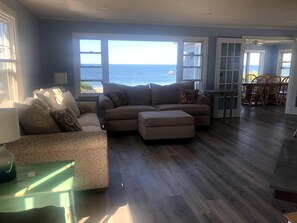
{"x":122,"y":215}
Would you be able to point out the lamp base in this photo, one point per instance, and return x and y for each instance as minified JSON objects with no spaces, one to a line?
{"x":7,"y":165}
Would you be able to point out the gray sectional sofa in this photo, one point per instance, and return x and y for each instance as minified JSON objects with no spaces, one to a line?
{"x":151,"y":97}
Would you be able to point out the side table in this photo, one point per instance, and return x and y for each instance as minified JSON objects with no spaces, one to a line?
{"x":40,"y":185}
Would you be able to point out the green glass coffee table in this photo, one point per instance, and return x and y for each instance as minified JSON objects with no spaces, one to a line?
{"x":40,"y":185}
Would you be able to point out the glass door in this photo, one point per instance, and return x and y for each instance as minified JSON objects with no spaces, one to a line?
{"x":228,"y":75}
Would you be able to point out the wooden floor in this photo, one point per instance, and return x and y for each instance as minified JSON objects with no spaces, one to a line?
{"x":223,"y":175}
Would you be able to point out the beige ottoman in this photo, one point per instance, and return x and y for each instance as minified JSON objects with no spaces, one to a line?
{"x":166,"y":125}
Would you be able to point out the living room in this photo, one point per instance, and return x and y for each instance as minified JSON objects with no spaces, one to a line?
{"x":223,"y":174}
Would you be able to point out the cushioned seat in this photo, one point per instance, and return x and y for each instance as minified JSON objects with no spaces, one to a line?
{"x":89,"y":119}
{"x":192,"y":109}
{"x":166,"y":125}
{"x":127,"y":112}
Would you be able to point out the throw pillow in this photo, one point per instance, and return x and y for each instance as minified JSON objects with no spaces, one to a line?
{"x":188,"y":96}
{"x":68,"y":100}
{"x":168,"y":94}
{"x":65,"y":118}
{"x":37,"y":101}
{"x":47,"y":98}
{"x":36,"y":120}
{"x":118,"y":98}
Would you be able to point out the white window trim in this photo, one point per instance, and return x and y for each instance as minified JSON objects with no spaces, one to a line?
{"x":279,"y":60}
{"x":105,"y":37}
{"x":11,"y":17}
{"x":262,"y":58}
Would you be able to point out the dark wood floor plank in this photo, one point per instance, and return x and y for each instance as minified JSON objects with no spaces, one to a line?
{"x":222,"y":175}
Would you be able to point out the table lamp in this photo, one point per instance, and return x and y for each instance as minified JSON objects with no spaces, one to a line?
{"x":9,"y":132}
{"x":60,"y":78}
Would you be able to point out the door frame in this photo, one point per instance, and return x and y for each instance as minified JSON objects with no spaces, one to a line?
{"x":291,"y":102}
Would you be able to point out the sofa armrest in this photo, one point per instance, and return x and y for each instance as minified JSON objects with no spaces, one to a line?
{"x":203,"y":99}
{"x":88,"y":106}
{"x":87,"y":148}
{"x":105,"y":102}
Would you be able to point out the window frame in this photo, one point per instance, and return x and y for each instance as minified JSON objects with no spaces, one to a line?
{"x":104,"y":37}
{"x":280,"y":60}
{"x":261,"y":63}
{"x":9,"y":16}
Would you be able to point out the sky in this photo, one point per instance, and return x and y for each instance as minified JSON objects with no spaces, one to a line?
{"x":132,"y":52}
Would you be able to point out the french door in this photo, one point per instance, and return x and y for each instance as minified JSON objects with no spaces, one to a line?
{"x":228,"y":74}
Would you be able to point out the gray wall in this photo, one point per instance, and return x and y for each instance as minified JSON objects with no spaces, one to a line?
{"x":56,"y":41}
{"x":28,"y":38}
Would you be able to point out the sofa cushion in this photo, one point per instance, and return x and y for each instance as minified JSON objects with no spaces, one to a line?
{"x":203,"y":99}
{"x":53,"y":91}
{"x":47,"y":98}
{"x":89,"y":119}
{"x":118,"y":97}
{"x":168,"y":94}
{"x":109,"y":87}
{"x":188,"y":96}
{"x":127,"y":112}
{"x":37,"y":101}
{"x":92,"y":128}
{"x":192,"y":109}
{"x":68,"y":100}
{"x":36,"y":120}
{"x":136,"y":95}
{"x":105,"y":102}
{"x":65,"y":118}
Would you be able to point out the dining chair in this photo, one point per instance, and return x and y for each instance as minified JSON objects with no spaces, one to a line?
{"x":247,"y":90}
{"x":282,"y":92}
{"x":258,"y":90}
{"x":273,"y":86}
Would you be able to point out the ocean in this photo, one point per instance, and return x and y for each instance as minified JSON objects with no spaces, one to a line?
{"x":133,"y":74}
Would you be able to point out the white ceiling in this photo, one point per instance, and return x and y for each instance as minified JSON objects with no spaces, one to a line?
{"x":242,"y":13}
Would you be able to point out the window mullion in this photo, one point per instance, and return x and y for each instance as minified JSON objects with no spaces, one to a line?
{"x":105,"y":62}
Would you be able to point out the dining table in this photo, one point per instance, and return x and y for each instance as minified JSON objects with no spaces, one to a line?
{"x":268,"y":86}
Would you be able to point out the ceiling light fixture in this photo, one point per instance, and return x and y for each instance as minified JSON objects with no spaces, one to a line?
{"x":257,"y":42}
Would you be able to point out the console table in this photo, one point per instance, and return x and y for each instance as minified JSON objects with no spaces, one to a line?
{"x":225,"y":94}
{"x":40,"y":185}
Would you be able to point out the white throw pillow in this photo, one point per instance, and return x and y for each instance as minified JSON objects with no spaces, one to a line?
{"x":68,"y":100}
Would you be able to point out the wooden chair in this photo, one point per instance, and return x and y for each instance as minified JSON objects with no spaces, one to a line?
{"x":273,"y":86}
{"x":258,"y":90}
{"x":249,"y":77}
{"x":282,"y":92}
{"x":246,"y":90}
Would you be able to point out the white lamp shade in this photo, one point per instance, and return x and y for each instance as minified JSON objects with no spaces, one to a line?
{"x":9,"y":125}
{"x":60,"y":78}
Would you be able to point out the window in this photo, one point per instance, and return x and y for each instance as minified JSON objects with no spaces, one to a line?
{"x":136,"y":60}
{"x":9,"y":79}
{"x":142,"y":62}
{"x":284,"y":63}
{"x":253,"y":63}
{"x":90,"y":66}
{"x":192,"y":61}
